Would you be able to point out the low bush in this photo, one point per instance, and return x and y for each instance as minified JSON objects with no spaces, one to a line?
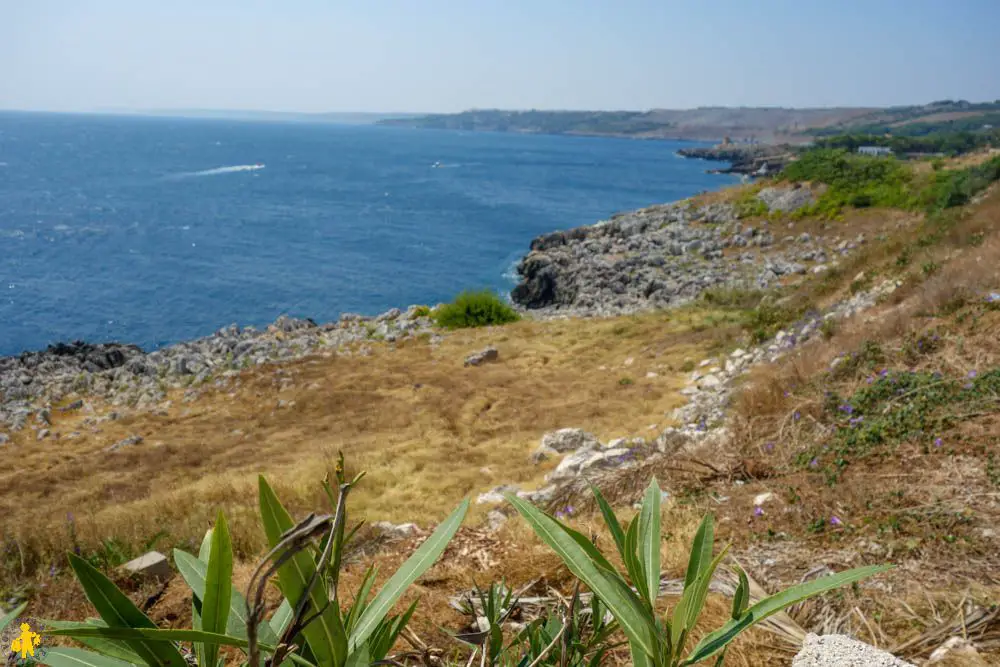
{"x":657,"y":640}
{"x":475,"y":309}
{"x":306,"y":558}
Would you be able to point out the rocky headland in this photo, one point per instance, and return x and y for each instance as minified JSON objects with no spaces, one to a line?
{"x":750,"y":159}
{"x":667,"y":255}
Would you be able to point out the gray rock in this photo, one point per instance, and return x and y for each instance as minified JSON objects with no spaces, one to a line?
{"x":495,"y":519}
{"x":149,"y":566}
{"x":496,"y":494}
{"x":841,"y":651}
{"x":4,"y":438}
{"x":44,"y":433}
{"x":487,"y":355}
{"x":786,"y":199}
{"x":396,"y":532}
{"x":564,"y":440}
{"x":75,"y":405}
{"x":541,"y":496}
{"x":125,"y":442}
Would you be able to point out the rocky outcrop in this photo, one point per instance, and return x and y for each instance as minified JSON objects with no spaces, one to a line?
{"x":841,"y":651}
{"x":32,"y":384}
{"x":665,"y":256}
{"x":786,"y":199}
{"x":743,"y":158}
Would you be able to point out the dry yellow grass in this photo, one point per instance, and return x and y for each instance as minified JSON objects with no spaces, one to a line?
{"x":428,"y":430}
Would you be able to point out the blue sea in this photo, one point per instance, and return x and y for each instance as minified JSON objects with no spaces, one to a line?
{"x":155,"y":230}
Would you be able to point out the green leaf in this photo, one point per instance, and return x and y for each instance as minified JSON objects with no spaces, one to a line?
{"x":325,"y":635}
{"x":611,"y":520}
{"x":701,"y":550}
{"x":717,"y":640}
{"x":415,"y":565}
{"x":206,"y":547}
{"x":194,"y":571}
{"x":632,"y":563}
{"x":361,"y":599}
{"x":66,"y":656}
{"x":742,"y":596}
{"x":605,"y":583}
{"x":218,"y":587}
{"x":154,"y":636}
{"x":11,"y":615}
{"x":112,"y":648}
{"x":700,"y":592}
{"x":118,"y":611}
{"x":649,"y":541}
{"x":279,"y":620}
{"x":359,"y":658}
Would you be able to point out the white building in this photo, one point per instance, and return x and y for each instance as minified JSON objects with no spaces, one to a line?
{"x":875,"y":151}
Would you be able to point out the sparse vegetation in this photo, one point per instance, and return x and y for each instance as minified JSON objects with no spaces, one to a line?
{"x":654,"y":640}
{"x":475,"y":309}
{"x":307,"y":558}
{"x":861,"y":181}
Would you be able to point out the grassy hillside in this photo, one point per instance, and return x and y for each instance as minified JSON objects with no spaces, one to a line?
{"x":877,"y":442}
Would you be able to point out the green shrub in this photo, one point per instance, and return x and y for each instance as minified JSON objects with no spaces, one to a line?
{"x":764,"y":321}
{"x":748,"y":205}
{"x":475,"y":309}
{"x":655,"y":640}
{"x":421,"y":311}
{"x":733,"y":297}
{"x":306,"y":557}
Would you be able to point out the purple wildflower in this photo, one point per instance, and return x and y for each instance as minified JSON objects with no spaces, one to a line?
{"x":769,"y":447}
{"x":968,"y":385}
{"x":835,"y":521}
{"x":847,"y":408}
{"x":570,"y":509}
{"x":796,"y":415}
{"x":854,"y":421}
{"x":758,"y":511}
{"x":870,"y":379}
{"x":52,"y":570}
{"x":884,"y":372}
{"x":938,"y":442}
{"x":814,"y":463}
{"x":559,"y":514}
{"x":972,"y":374}
{"x":70,"y":518}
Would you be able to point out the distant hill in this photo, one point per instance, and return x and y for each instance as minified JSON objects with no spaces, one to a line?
{"x":343,"y":118}
{"x":760,"y":124}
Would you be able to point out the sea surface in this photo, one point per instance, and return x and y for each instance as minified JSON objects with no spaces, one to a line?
{"x":156,"y":230}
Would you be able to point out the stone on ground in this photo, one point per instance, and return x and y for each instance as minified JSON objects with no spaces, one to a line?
{"x":150,"y":566}
{"x":486,"y":355}
{"x":841,"y":651}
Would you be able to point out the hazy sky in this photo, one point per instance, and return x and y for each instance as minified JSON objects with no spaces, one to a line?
{"x":448,"y":55}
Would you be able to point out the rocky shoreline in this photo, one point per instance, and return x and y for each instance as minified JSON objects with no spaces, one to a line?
{"x":749,"y":159}
{"x":667,"y":255}
{"x":33,"y":384}
{"x":656,"y":257}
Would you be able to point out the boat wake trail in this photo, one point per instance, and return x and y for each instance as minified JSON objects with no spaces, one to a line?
{"x":221,"y":170}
